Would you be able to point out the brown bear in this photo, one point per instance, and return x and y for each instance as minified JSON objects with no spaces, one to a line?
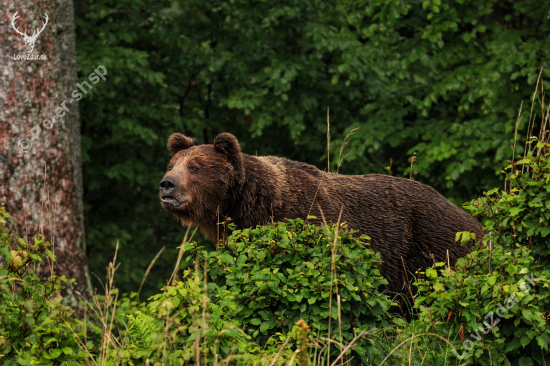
{"x":409,"y":223}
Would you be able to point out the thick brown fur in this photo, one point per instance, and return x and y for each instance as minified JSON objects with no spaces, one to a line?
{"x":409,"y":223}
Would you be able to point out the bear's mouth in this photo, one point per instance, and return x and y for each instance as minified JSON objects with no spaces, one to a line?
{"x":172,"y":201}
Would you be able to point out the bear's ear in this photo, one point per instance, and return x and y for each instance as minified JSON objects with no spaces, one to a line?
{"x":178,"y":142}
{"x":228,"y":145}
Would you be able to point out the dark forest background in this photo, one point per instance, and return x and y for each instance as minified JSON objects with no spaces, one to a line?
{"x":442,"y":79}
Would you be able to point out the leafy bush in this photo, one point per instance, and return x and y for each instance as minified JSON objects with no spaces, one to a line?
{"x":180,"y":325}
{"x":285,"y":272}
{"x":35,"y":328}
{"x":495,"y":305}
{"x":521,"y":215}
{"x":185,"y":323}
{"x":487,"y":315}
{"x":192,"y":320}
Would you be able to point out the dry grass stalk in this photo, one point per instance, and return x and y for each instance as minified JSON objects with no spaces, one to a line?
{"x":413,"y":159}
{"x":149,"y":270}
{"x":529,"y":130}
{"x":280,"y":350}
{"x":346,"y":349}
{"x":180,"y":254}
{"x":315,"y":196}
{"x":410,"y":353}
{"x":204,"y":305}
{"x":407,"y":276}
{"x":291,"y":362}
{"x":341,"y":158}
{"x":545,"y":115}
{"x":338,"y":300}
{"x":516,"y":132}
{"x":328,"y":141}
{"x":411,"y":338}
{"x":541,"y":102}
{"x":332,"y":273}
{"x":103,"y":310}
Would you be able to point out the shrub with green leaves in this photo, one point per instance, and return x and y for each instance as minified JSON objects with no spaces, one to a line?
{"x":35,"y":328}
{"x":497,"y":314}
{"x":287,"y":271}
{"x":182,"y":323}
{"x":494,"y":306}
{"x":521,"y":214}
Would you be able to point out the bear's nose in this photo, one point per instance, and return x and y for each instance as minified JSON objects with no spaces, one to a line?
{"x":167,"y":185}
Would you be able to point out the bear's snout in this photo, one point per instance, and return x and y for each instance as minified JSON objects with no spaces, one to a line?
{"x":167,"y":187}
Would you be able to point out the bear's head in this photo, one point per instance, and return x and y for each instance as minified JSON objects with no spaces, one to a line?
{"x":201,"y":180}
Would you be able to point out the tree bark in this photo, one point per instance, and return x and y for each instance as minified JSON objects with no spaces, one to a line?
{"x":42,"y":187}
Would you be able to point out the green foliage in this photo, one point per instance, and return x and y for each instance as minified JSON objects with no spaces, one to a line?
{"x":285,"y":272}
{"x":180,"y":324}
{"x":442,"y":79}
{"x":495,"y":305}
{"x":145,"y":332}
{"x":497,"y":315}
{"x":35,"y":328}
{"x":521,"y":215}
{"x":281,"y":266}
{"x":187,"y":301}
{"x":445,"y":80}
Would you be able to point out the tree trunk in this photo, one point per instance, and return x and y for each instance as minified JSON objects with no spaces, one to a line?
{"x":41,"y":176}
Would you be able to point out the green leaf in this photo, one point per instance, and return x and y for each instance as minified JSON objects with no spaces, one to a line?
{"x":52,"y":354}
{"x":227,"y":258}
{"x":514,"y":211}
{"x":90,"y":345}
{"x":542,"y":342}
{"x":525,"y":361}
{"x":430,"y":272}
{"x":544,"y":231}
{"x":241,"y":260}
{"x":525,"y":340}
{"x":400,"y":322}
{"x":360,"y":350}
{"x":264,"y":327}
{"x":255,"y":321}
{"x":266,"y":315}
{"x":187,"y":247}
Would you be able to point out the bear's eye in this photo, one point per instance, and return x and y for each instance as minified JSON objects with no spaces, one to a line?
{"x":194,"y":169}
{"x":170,"y":167}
